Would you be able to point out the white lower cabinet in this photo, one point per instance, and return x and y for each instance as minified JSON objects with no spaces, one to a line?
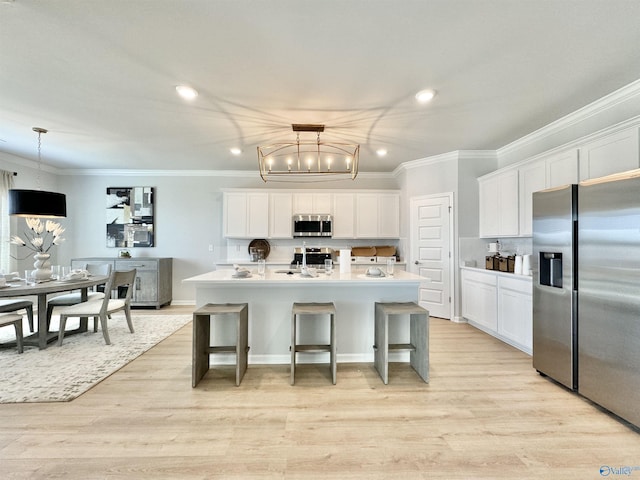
{"x":515,"y":312}
{"x":479,"y":298}
{"x":499,"y":304}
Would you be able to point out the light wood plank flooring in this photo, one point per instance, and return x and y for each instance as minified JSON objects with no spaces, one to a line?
{"x":485,"y":414}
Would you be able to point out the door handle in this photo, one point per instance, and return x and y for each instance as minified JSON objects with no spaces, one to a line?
{"x":416,"y":262}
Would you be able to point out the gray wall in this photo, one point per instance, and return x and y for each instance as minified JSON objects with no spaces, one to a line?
{"x":188,"y":217}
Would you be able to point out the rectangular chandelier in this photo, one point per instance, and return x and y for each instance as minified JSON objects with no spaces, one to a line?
{"x":308,"y":160}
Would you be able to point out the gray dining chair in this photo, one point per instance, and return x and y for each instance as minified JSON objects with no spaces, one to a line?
{"x":101,"y":310}
{"x":13,"y":305}
{"x":15,"y":320}
{"x":73,"y":298}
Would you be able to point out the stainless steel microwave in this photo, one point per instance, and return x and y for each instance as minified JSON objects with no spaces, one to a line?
{"x":312,"y":226}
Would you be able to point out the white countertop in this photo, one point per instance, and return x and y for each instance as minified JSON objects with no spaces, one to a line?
{"x":356,"y":277}
{"x":499,"y":273}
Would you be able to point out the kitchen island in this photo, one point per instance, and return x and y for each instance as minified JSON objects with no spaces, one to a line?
{"x":271,"y":296}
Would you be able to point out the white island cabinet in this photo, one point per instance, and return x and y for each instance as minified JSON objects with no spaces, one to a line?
{"x":271,"y":297}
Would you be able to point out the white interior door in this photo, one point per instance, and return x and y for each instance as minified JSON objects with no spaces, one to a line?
{"x":431,"y":251}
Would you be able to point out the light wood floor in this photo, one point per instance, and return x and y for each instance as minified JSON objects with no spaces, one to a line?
{"x":485,"y":414}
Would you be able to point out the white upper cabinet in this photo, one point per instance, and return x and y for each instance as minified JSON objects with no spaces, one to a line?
{"x":562,"y":168}
{"x":344,"y":205}
{"x":246,"y":215}
{"x":614,"y":153}
{"x":498,"y":204}
{"x":377,"y":215}
{"x":316,"y":203}
{"x":388,"y":215}
{"x":532,"y":178}
{"x":280,"y":215}
{"x":259,"y":214}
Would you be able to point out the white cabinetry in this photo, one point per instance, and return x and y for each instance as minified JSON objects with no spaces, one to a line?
{"x":344,"y":215}
{"x":316,"y":203}
{"x":499,"y":204}
{"x":532,"y":178}
{"x":258,"y":214}
{"x":614,"y":153}
{"x":280,"y":214}
{"x":479,"y":298}
{"x":377,"y":215}
{"x":515,"y":312}
{"x":246,"y":214}
{"x":562,"y":168}
{"x":499,"y":304}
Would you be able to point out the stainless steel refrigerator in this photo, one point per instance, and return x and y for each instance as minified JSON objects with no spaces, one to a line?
{"x":586,"y":295}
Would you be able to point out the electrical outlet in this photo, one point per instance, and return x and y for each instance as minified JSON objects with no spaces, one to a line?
{"x":211,"y":248}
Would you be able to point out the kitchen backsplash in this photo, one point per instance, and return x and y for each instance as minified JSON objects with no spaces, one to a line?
{"x":237,"y":250}
{"x":473,"y":249}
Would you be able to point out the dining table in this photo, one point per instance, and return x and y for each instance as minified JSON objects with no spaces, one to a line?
{"x":19,"y":288}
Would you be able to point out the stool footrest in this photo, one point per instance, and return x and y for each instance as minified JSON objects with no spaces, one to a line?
{"x":402,"y":346}
{"x":313,"y":348}
{"x":222,"y":349}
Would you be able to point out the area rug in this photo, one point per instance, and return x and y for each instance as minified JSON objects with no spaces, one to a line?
{"x":60,"y":374}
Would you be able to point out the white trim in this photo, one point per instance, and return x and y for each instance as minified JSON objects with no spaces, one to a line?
{"x":594,"y":108}
{"x":190,"y":173}
{"x":446,"y":157}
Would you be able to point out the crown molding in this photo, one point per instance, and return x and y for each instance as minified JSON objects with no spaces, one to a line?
{"x":188,"y":173}
{"x":594,"y":108}
{"x":446,"y":157}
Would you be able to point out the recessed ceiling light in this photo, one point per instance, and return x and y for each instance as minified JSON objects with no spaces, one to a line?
{"x":186,"y":92}
{"x":235,"y":151}
{"x":381,"y":152}
{"x":425,"y":96}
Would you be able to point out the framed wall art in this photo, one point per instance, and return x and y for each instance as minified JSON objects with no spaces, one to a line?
{"x":130,"y":217}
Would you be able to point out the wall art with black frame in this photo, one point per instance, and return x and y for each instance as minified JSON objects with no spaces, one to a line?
{"x":130,"y":217}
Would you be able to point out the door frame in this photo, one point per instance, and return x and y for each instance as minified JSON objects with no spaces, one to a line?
{"x":413,"y":233}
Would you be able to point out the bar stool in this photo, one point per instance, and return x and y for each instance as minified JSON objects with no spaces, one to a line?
{"x":202,"y":348}
{"x":15,"y":320}
{"x":418,"y":332}
{"x":314,"y":309}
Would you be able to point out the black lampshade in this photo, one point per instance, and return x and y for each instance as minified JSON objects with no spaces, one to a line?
{"x":36,"y":203}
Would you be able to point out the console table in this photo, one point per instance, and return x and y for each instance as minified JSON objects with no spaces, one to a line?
{"x":154,"y":277}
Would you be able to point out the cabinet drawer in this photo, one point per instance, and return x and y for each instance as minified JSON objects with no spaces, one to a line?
{"x":137,"y":264}
{"x":486,"y":278}
{"x":517,"y":285}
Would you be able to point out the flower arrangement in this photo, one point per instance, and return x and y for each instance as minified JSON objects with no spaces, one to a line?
{"x":41,"y":236}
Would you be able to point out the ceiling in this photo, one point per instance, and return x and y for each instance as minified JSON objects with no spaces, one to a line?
{"x":101,"y":75}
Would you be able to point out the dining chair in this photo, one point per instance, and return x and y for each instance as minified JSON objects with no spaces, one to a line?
{"x":12,"y":305}
{"x":15,"y":320}
{"x":73,"y":298}
{"x":120,"y":281}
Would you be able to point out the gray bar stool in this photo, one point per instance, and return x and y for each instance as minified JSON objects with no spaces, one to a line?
{"x":15,"y":320}
{"x":419,"y":338}
{"x":202,"y":348}
{"x":314,"y":309}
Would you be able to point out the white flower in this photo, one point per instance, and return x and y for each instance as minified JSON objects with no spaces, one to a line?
{"x":41,"y":235}
{"x":16,"y":240}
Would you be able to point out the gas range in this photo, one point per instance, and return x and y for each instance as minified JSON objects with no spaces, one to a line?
{"x":315,"y":256}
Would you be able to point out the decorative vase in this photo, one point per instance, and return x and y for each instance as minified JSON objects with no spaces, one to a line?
{"x":42,"y":266}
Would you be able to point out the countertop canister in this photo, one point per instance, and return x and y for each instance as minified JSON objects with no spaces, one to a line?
{"x":345,"y":260}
